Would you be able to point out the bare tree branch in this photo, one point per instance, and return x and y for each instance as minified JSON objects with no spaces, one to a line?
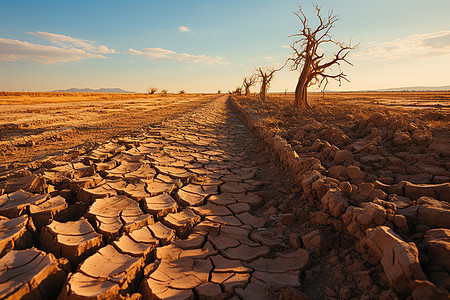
{"x":248,"y":83}
{"x":265,"y":76}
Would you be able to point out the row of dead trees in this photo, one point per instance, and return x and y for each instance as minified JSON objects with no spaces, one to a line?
{"x":153,"y":90}
{"x":262,"y":75}
{"x":308,"y":58}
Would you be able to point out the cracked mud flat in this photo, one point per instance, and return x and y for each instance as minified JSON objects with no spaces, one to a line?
{"x":33,"y":126}
{"x":194,"y":208}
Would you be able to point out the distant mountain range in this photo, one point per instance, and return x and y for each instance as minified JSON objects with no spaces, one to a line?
{"x":87,"y":90}
{"x":399,"y":89}
{"x":417,"y":89}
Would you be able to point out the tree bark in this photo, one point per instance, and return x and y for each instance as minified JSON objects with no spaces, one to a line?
{"x":262,"y":93}
{"x":301,"y":95}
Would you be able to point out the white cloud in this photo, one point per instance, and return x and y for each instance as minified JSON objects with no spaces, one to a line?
{"x":14,"y":50}
{"x":184,"y":29}
{"x":65,"y":49}
{"x":288,"y":47}
{"x":69,"y":42}
{"x":164,"y":54}
{"x":268,"y":57}
{"x":413,"y":46}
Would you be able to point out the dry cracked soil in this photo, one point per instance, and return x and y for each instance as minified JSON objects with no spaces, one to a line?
{"x":195,"y":206}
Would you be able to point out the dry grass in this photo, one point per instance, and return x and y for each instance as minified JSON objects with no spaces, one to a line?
{"x":23,"y":98}
{"x":416,"y":99}
{"x":431,"y":108}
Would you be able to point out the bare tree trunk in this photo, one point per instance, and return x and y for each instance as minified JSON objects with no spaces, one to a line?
{"x":298,"y":94}
{"x":301,"y":95}
{"x":305,"y":97}
{"x":262,"y":93}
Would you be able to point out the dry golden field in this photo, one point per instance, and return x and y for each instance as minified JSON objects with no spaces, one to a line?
{"x":34,"y":124}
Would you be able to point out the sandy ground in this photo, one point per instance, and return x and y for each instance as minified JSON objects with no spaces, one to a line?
{"x":63,"y":122}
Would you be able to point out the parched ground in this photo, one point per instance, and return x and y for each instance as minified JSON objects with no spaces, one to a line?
{"x":36,"y":124}
{"x":375,"y":167}
{"x":407,"y":133}
{"x":196,"y":206}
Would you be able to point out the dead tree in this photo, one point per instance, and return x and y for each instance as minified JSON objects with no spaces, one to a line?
{"x":248,"y":83}
{"x":265,"y":76}
{"x":308,"y":58}
{"x":152,"y":90}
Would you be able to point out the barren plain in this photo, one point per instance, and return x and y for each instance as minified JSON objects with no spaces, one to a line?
{"x":219,"y":197}
{"x":35,"y":124}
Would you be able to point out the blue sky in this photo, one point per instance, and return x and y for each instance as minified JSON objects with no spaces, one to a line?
{"x":206,"y":45}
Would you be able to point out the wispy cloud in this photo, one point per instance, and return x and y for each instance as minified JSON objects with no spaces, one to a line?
{"x":65,"y":49}
{"x":14,"y":50}
{"x":164,"y":54}
{"x":65,"y":41}
{"x":268,"y":57}
{"x":184,"y":29}
{"x":413,"y":46}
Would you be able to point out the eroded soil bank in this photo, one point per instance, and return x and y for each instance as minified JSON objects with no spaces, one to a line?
{"x":378,"y":174}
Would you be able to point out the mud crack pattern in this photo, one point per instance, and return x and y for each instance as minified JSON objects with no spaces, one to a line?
{"x":164,"y":213}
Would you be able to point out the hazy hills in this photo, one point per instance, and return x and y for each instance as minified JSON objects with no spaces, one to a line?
{"x":443,"y":88}
{"x":417,"y":89}
{"x":87,"y":90}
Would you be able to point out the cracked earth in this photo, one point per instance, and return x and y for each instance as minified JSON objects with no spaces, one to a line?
{"x":168,"y":212}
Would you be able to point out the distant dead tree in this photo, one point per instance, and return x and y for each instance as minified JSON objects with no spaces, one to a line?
{"x":219,"y":91}
{"x":265,"y":76}
{"x":248,"y":83}
{"x":152,"y":90}
{"x":311,"y":60}
{"x":181,"y":92}
{"x":163,"y":91}
{"x":237,"y":91}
